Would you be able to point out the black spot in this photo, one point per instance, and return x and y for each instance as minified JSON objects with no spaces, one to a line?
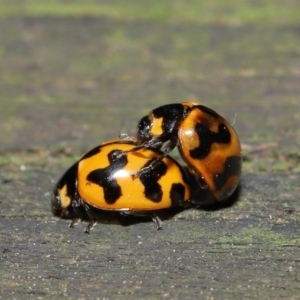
{"x":91,"y":153}
{"x":207,"y":138}
{"x":104,"y":177}
{"x":169,"y":111}
{"x":150,"y":179}
{"x":177,"y":194}
{"x":207,"y":110}
{"x":232,"y":166}
{"x":172,"y":115}
{"x":69,"y":180}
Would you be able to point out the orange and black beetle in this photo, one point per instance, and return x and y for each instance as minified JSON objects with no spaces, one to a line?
{"x":102,"y":181}
{"x":207,"y":143}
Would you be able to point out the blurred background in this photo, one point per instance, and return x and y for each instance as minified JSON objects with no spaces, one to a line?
{"x":76,"y":73}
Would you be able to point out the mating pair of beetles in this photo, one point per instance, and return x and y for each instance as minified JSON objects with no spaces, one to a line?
{"x":138,"y":176}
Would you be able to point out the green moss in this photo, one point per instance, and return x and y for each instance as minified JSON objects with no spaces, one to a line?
{"x":232,"y":12}
{"x":258,"y":235}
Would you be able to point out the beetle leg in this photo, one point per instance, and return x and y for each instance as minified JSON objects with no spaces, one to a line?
{"x":90,"y":226}
{"x":79,"y":203}
{"x":149,"y":168}
{"x":124,"y":152}
{"x":153,"y":143}
{"x":157,"y":221}
{"x":89,"y":212}
{"x":126,"y":136}
{"x":169,"y":147}
{"x":74,"y":222}
{"x":153,"y":216}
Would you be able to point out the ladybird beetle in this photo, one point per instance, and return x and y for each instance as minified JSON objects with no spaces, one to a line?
{"x":206,"y":141}
{"x":102,"y":181}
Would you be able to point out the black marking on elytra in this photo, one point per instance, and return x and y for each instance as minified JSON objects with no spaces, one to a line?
{"x":104,"y":177}
{"x":232,"y":166}
{"x":207,"y":138}
{"x":92,"y":152}
{"x":150,"y":179}
{"x":207,"y":110}
{"x":177,"y":194}
{"x":172,"y":115}
{"x":68,"y":180}
{"x":168,"y":111}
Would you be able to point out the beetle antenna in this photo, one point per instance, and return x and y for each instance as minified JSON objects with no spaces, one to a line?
{"x":234,"y":118}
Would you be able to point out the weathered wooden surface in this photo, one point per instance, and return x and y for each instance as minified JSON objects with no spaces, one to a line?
{"x":67,"y":84}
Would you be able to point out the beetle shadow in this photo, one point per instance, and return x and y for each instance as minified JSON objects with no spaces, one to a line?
{"x":163,"y":215}
{"x":215,"y":205}
{"x":167,"y":214}
{"x":106,"y":217}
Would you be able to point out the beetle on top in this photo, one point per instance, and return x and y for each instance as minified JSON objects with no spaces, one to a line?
{"x":206,"y":141}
